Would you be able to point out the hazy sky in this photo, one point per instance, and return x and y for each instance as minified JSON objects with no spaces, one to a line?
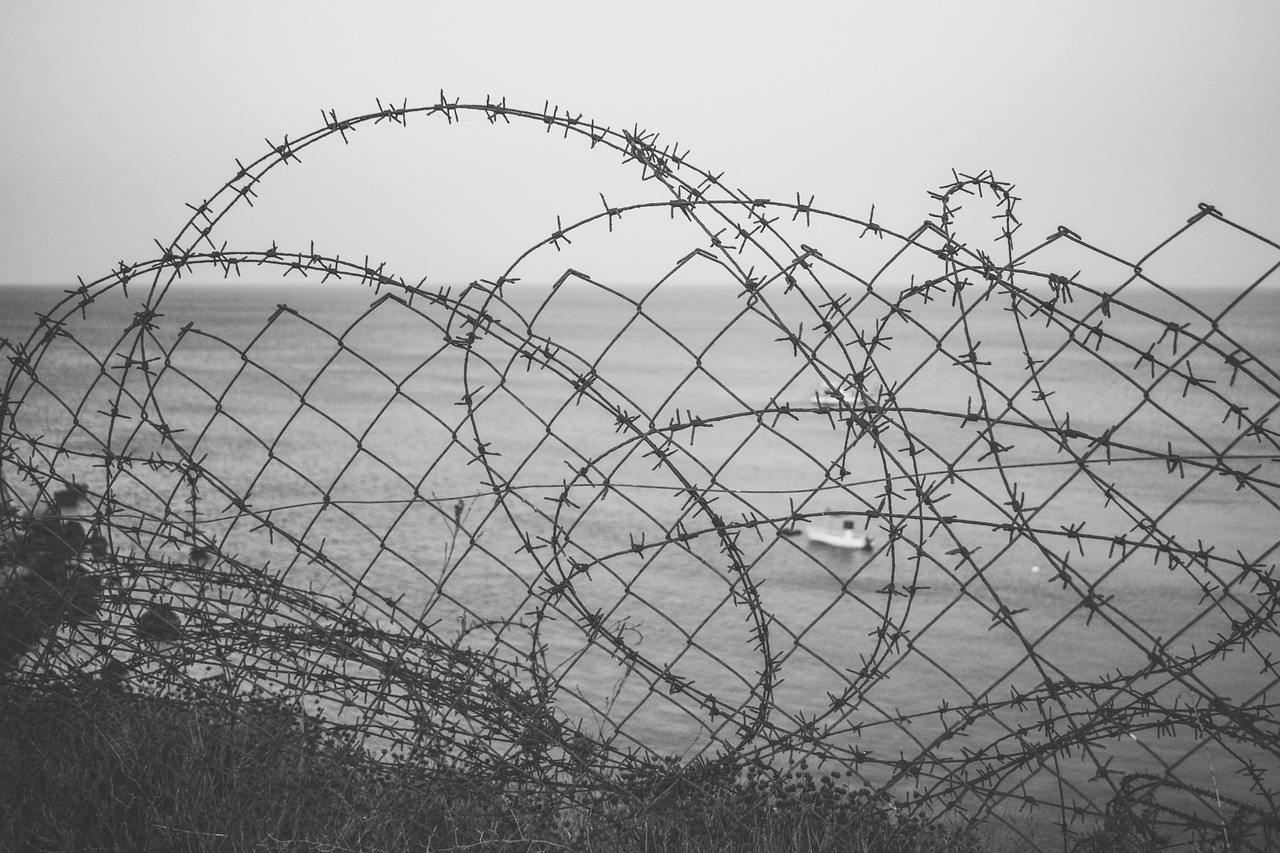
{"x":1114,"y":118}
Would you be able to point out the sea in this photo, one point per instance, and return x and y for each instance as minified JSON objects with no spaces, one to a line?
{"x":620,"y":479}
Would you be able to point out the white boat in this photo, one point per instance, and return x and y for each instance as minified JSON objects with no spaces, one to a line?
{"x":828,"y":398}
{"x":840,"y":535}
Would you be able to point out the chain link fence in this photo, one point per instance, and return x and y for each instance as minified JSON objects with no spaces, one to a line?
{"x":988,"y":530}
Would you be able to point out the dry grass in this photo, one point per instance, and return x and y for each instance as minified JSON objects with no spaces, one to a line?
{"x":93,"y":768}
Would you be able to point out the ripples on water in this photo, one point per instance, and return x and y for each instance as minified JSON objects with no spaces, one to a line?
{"x":381,"y":427}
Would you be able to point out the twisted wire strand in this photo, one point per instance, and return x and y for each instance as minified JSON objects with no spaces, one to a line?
{"x":125,"y":507}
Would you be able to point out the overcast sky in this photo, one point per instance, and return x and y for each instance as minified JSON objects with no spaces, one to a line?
{"x":1114,"y":118}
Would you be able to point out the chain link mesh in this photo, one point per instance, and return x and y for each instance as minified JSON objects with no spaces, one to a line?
{"x":554,"y":534}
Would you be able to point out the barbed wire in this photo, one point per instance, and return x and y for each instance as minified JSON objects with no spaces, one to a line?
{"x":142,"y":462}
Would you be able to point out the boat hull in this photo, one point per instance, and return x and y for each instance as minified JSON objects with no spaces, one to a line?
{"x":838,"y":538}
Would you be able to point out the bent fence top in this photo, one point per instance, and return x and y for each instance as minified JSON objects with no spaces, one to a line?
{"x":990,"y":527}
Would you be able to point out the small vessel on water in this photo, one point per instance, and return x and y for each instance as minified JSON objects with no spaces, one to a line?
{"x":841,"y":534}
{"x":829,"y":397}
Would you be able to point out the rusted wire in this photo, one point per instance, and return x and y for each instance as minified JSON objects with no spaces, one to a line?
{"x":1028,"y":525}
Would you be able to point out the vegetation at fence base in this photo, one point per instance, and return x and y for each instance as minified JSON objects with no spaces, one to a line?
{"x":100,"y":768}
{"x":1140,"y":820}
{"x":43,"y":583}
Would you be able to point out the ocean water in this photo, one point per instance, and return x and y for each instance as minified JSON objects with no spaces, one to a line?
{"x":1010,"y":549}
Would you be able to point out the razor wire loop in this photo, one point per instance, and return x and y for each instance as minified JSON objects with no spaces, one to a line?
{"x":414,"y":688}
